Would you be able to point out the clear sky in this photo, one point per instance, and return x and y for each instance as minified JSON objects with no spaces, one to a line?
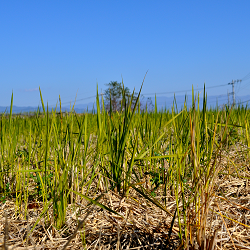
{"x":67,"y":47}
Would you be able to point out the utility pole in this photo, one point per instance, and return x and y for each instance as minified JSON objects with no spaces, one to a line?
{"x":233,"y":93}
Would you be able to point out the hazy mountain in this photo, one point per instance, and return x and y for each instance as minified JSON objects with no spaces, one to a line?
{"x":162,"y":103}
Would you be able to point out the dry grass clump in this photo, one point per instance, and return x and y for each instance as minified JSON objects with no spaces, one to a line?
{"x":143,"y":225}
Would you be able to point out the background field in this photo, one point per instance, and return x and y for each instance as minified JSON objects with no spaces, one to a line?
{"x":121,"y":180}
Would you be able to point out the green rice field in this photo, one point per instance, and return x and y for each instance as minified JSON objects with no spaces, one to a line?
{"x":135,"y":179}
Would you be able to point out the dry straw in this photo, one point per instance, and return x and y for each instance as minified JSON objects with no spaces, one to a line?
{"x":134,"y":179}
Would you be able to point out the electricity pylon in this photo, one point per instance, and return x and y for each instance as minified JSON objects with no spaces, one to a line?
{"x":233,"y":93}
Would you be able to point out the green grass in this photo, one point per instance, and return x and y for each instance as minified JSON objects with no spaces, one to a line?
{"x":61,"y":158}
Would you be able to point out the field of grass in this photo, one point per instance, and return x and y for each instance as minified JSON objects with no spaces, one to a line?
{"x":136,"y":179}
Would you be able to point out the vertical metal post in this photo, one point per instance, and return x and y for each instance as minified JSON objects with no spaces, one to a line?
{"x":233,"y":93}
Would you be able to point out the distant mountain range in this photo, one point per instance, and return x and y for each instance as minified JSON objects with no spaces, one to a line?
{"x":162,"y":103}
{"x":16,"y":109}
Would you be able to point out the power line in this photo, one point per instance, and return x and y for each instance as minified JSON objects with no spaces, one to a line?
{"x":173,"y":92}
{"x":245,"y":85}
{"x":157,"y":93}
{"x":245,"y":101}
{"x":179,"y":91}
{"x":246,"y":77}
{"x":183,"y":91}
{"x":233,"y":93}
{"x":86,"y":98}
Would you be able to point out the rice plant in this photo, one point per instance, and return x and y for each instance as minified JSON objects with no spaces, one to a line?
{"x":174,"y":162}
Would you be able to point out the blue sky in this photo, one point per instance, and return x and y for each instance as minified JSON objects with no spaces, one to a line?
{"x":67,"y":47}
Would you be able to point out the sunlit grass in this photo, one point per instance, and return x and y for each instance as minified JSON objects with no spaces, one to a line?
{"x":61,"y":158}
